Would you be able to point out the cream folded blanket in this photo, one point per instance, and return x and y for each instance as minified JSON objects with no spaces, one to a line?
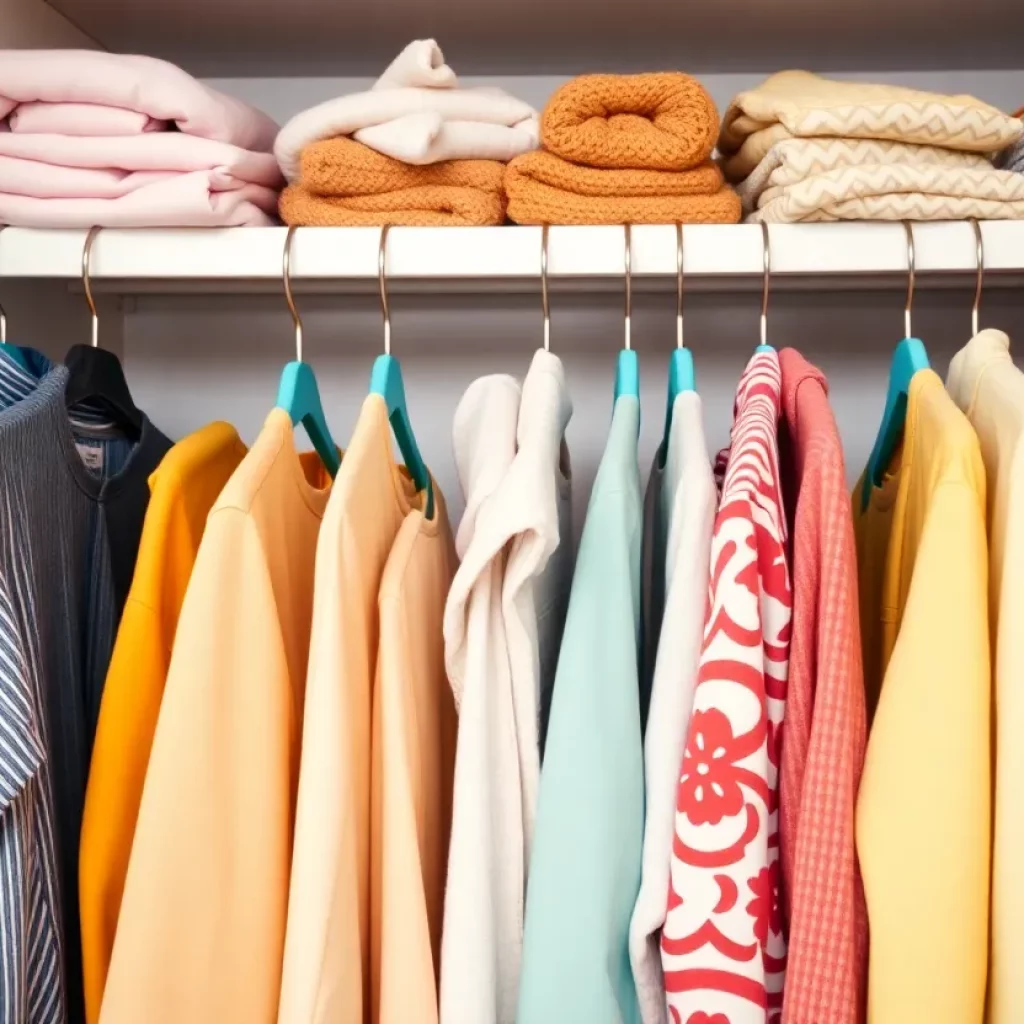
{"x":797,"y":103}
{"x":417,"y":113}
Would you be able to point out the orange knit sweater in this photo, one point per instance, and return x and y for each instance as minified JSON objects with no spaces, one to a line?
{"x":343,"y":182}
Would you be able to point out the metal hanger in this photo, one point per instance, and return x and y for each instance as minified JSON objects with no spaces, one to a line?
{"x":681,"y":375}
{"x":545,"y":305}
{"x":908,"y":359}
{"x":94,"y":373}
{"x":627,"y":370}
{"x":298,"y":392}
{"x":767,"y":261}
{"x":386,"y":381}
{"x":980,"y":264}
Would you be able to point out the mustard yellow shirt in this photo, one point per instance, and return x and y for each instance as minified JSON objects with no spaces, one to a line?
{"x":201,"y":931}
{"x":182,"y":492}
{"x":923,"y":810}
{"x":984,"y":382}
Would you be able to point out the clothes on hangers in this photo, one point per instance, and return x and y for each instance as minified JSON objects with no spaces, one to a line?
{"x":585,"y":868}
{"x":183,"y":490}
{"x":503,"y":627}
{"x":989,"y":389}
{"x":923,"y":808}
{"x":822,"y":753}
{"x":346,"y":904}
{"x":201,"y":929}
{"x":678,"y":519}
{"x":723,"y":948}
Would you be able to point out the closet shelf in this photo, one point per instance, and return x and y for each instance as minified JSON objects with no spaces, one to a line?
{"x":805,"y":256}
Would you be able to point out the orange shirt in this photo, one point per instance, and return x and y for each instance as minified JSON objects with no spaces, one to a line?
{"x":182,"y":492}
{"x":201,"y":932}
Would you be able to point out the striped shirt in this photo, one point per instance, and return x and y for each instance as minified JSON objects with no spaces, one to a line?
{"x":73,"y":494}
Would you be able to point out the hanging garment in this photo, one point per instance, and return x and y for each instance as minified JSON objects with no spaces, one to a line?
{"x":585,"y":868}
{"x":503,"y":625}
{"x":182,"y":491}
{"x":332,"y":952}
{"x":923,"y":810}
{"x":823,"y":749}
{"x":414,"y":726}
{"x":686,"y":501}
{"x":201,"y":930}
{"x":722,"y":946}
{"x":75,"y":499}
{"x":986,"y":385}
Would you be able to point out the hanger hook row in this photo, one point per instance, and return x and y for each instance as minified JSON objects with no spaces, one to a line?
{"x":544,"y":303}
{"x":767,"y":265}
{"x":628,"y":234}
{"x":382,"y":265}
{"x":289,"y":297}
{"x":679,"y":286}
{"x":911,"y":277}
{"x":3,"y":312}
{"x":90,"y":238}
{"x":979,"y":254}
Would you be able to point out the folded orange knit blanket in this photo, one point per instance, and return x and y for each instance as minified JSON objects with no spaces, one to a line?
{"x":343,"y":182}
{"x":664,"y":121}
{"x":544,"y":189}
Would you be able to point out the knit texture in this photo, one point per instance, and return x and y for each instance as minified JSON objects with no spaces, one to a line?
{"x":665,"y":121}
{"x":542,"y":188}
{"x":343,"y":182}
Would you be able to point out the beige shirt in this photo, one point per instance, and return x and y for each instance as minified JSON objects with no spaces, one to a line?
{"x":201,"y":928}
{"x":327,"y":956}
{"x":986,"y":385}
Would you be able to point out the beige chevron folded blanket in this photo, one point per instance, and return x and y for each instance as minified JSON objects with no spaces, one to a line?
{"x":892,"y":186}
{"x":799,"y":104}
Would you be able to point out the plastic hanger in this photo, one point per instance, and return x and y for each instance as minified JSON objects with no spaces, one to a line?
{"x":96,"y":373}
{"x":12,"y":350}
{"x":627,"y":369}
{"x":298,"y":393}
{"x":909,"y":358}
{"x":681,"y":375}
{"x":386,"y":381}
{"x":766,"y":243}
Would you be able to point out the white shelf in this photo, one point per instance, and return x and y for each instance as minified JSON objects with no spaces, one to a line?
{"x":508,"y":258}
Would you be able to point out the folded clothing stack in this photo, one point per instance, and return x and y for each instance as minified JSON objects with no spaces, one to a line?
{"x":416,"y":149}
{"x":90,"y":138}
{"x":623,"y":149}
{"x":1012,"y":158}
{"x":804,"y":148}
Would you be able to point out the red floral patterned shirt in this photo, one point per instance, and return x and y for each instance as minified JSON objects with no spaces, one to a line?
{"x":722,"y":946}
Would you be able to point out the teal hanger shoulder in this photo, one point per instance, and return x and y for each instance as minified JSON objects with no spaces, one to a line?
{"x":386,"y":381}
{"x":299,"y":395}
{"x":627,"y":374}
{"x":16,"y":355}
{"x":681,"y":377}
{"x":910,"y":357}
{"x":765,"y":348}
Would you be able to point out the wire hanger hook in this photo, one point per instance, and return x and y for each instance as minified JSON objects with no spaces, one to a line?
{"x":910,"y":278}
{"x":629,"y":285}
{"x":767,"y":263}
{"x":3,"y":314}
{"x":90,"y":238}
{"x":679,"y":286}
{"x":286,"y":277}
{"x":980,"y":263}
{"x":544,"y":304}
{"x":382,"y":261}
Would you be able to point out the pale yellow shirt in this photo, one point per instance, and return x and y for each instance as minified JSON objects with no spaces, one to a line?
{"x":984,"y":382}
{"x":201,"y":929}
{"x":923,"y":811}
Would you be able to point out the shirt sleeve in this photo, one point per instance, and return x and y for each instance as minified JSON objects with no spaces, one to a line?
{"x":201,"y":930}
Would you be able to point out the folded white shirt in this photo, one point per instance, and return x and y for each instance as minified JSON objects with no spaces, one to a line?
{"x":416,"y":113}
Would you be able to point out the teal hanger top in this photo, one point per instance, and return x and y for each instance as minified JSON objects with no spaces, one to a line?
{"x":681,"y":375}
{"x":12,"y":350}
{"x":386,"y":381}
{"x":298,"y":392}
{"x":910,"y":357}
{"x":627,"y":368}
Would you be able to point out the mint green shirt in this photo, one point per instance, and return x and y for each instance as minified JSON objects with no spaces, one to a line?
{"x":585,"y":867}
